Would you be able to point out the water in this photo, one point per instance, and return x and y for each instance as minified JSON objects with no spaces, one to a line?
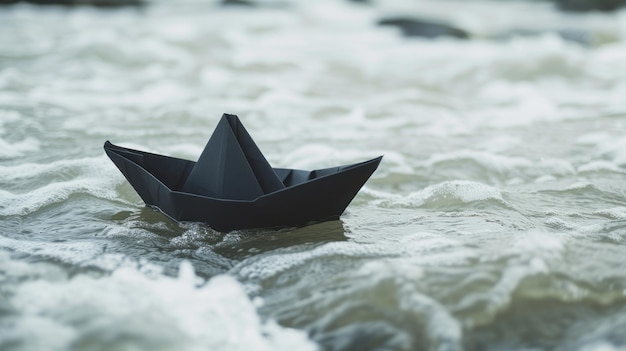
{"x":496,"y":221}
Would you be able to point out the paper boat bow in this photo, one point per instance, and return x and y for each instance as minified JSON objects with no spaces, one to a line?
{"x":232,"y":186}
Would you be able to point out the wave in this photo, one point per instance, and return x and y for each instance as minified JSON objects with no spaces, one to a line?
{"x":442,"y":291}
{"x":31,"y":187}
{"x":127,"y":310}
{"x":443,"y":195}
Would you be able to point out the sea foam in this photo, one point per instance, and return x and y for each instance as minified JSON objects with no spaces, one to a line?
{"x":127,"y":310}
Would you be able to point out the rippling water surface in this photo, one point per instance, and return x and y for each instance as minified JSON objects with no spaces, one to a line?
{"x":496,"y":221}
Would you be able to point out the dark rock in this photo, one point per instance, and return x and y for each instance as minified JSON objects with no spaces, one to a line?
{"x":412,"y":27}
{"x":97,"y":3}
{"x":245,"y":3}
{"x":590,"y":5}
{"x":265,"y":4}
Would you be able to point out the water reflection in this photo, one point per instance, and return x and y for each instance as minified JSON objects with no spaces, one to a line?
{"x":243,"y":244}
{"x":150,"y":219}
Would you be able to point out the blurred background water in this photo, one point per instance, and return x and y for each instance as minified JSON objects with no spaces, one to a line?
{"x":497,"y":220}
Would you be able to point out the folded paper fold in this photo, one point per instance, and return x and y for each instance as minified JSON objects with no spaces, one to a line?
{"x":232,"y":166}
{"x":232,"y":186}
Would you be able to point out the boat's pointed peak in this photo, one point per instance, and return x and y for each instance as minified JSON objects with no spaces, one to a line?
{"x":231,"y":165}
{"x":230,"y":117}
{"x":233,"y":121}
{"x":235,"y":124}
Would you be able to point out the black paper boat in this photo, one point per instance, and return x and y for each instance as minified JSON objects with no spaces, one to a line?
{"x":232,"y":186}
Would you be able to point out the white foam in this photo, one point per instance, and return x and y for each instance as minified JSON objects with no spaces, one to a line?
{"x":266,"y":266}
{"x":93,"y":176}
{"x":465,"y":191}
{"x":600,"y":165}
{"x":127,"y":310}
{"x":79,"y":253}
{"x":442,"y":194}
{"x":613,"y":212}
{"x":560,"y":224}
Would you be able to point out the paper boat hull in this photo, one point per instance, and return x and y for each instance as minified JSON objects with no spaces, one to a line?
{"x":157,"y":178}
